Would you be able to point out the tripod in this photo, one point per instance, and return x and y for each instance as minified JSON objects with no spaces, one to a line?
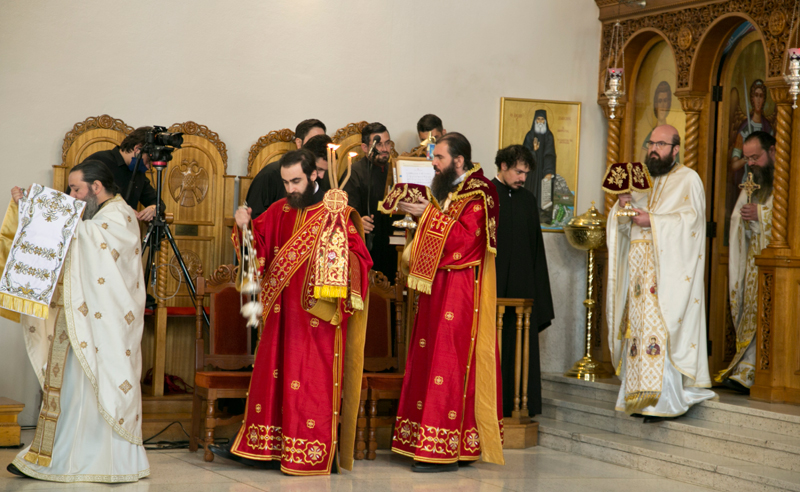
{"x":156,"y":232}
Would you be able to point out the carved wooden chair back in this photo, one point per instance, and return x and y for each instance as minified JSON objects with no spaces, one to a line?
{"x":385,"y":345}
{"x":268,"y":149}
{"x":198,"y":192}
{"x":87,"y":137}
{"x":229,"y":338}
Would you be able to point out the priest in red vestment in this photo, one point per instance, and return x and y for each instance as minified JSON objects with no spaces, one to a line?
{"x":314,"y":269}
{"x":450,"y":408}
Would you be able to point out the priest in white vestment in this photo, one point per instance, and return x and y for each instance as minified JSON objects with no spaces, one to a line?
{"x":656,"y":293}
{"x":87,"y":352}
{"x":751,"y":231}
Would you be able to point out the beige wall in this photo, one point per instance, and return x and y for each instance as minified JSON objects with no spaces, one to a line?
{"x":245,"y":68}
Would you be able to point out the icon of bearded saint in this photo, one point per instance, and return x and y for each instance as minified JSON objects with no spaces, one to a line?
{"x":540,"y":141}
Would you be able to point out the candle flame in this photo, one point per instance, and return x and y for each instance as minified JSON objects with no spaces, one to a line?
{"x":352,"y":154}
{"x":333,"y":146}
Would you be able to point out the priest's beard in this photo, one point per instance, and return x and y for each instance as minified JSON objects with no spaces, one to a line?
{"x":301,"y":200}
{"x":658,"y":166}
{"x":762,"y":176}
{"x":540,"y":128}
{"x":442,"y":183}
{"x":91,"y":205}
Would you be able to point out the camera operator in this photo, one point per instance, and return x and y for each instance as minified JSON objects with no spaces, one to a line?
{"x":128,"y":165}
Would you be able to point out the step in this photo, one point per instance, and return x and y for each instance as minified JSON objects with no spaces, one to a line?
{"x":754,"y":446}
{"x":729,"y":408}
{"x":676,"y":462}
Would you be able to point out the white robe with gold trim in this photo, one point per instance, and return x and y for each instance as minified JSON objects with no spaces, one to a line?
{"x":670,"y":276}
{"x":98,"y":437}
{"x":748,"y":238}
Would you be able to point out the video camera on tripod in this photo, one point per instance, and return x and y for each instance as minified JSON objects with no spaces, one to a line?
{"x":159,"y":145}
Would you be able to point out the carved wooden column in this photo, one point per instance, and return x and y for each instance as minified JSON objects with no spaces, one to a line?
{"x":783,"y":147}
{"x":692,"y":105}
{"x":612,"y":145}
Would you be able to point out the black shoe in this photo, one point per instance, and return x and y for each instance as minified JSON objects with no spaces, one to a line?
{"x":736,"y":386}
{"x":637,"y":415}
{"x":651,"y":419}
{"x":464,"y":463}
{"x":12,"y":469}
{"x":224,"y":452}
{"x":421,"y":467}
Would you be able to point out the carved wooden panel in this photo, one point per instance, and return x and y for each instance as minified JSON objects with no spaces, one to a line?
{"x":92,"y":135}
{"x":198,"y":192}
{"x":269,"y":148}
{"x":685,"y":28}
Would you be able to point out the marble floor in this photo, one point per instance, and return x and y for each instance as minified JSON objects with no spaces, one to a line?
{"x":535,"y":469}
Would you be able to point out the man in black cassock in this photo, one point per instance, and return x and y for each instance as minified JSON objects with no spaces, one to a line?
{"x":539,"y":140}
{"x":521,"y":268}
{"x":370,"y":180}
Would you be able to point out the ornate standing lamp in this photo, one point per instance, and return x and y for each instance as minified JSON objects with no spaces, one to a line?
{"x":587,"y":232}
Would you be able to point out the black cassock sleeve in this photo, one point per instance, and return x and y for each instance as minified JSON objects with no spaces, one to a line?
{"x":543,"y":312}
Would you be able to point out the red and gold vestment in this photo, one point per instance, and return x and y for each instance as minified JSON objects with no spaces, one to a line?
{"x":293,"y":406}
{"x":451,"y":403}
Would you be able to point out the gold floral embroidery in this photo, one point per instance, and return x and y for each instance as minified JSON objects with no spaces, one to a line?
{"x":275,"y":374}
{"x":275,"y":250}
{"x":129,"y":218}
{"x":295,"y":385}
{"x":115,"y":254}
{"x":136,"y":251}
{"x":39,"y":273}
{"x":62,"y":337}
{"x":297,"y":450}
{"x":258,"y":408}
{"x":125,"y":387}
{"x":456,"y":256}
{"x":101,"y":280}
{"x":98,"y":315}
{"x":422,"y":342}
{"x":314,"y":322}
{"x":277,"y":308}
{"x":264,"y":437}
{"x":47,"y":253}
{"x":103,"y":245}
{"x":286,"y":208}
{"x":419,"y":405}
{"x":434,"y":440}
{"x":452,"y":415}
{"x":449,"y":316}
{"x":32,"y":329}
{"x":83,"y":345}
{"x":128,"y":352}
{"x":472,"y":440}
{"x":477,"y":208}
{"x":130,"y":317}
{"x":105,"y":226}
{"x":310,"y":423}
{"x":352,"y":229}
{"x":478,"y":232}
{"x":438,"y":380}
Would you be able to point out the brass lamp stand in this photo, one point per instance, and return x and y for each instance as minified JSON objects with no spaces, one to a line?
{"x":587,"y":232}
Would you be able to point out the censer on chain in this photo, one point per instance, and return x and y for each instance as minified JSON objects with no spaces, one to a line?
{"x":248,"y":280}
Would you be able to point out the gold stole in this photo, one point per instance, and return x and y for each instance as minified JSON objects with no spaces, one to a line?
{"x":647,"y":335}
{"x":41,"y":451}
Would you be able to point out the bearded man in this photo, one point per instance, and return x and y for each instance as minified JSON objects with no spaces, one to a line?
{"x":539,"y":140}
{"x":751,"y":231}
{"x":314,"y":267}
{"x":450,"y":409}
{"x":87,"y":352}
{"x":659,"y":251}
{"x":370,"y":179}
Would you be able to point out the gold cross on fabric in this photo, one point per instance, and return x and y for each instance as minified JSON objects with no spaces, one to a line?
{"x":749,"y":186}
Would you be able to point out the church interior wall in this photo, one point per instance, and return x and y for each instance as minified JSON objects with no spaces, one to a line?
{"x":249,"y":67}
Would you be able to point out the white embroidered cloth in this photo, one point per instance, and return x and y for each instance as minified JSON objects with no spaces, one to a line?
{"x":47,"y":222}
